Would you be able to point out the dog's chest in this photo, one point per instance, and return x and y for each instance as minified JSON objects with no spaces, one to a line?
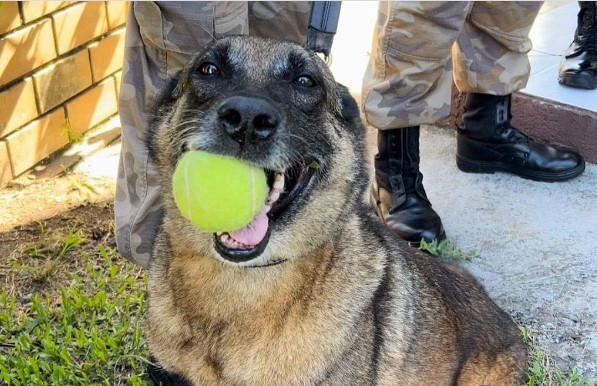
{"x":263,"y":334}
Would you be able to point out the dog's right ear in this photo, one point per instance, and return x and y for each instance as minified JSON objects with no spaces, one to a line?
{"x":350,"y":108}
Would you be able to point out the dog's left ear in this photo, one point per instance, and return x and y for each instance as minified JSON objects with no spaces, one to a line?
{"x":183,"y":77}
{"x":167,"y":95}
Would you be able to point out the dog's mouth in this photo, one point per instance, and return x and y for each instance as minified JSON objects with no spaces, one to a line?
{"x":250,"y":241}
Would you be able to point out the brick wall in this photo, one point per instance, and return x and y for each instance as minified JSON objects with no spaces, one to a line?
{"x":60,"y":66}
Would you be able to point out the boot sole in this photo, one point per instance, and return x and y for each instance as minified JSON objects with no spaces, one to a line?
{"x":473,"y":166}
{"x":585,"y":81}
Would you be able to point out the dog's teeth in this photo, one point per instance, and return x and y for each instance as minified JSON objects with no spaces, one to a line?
{"x":279,"y":182}
{"x":224,"y":237}
{"x":274,"y":196}
{"x":235,"y":244}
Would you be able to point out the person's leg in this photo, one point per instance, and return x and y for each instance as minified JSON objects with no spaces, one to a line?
{"x":280,"y":19}
{"x":578,"y":68}
{"x":490,"y":63}
{"x":408,"y":83}
{"x":160,"y":39}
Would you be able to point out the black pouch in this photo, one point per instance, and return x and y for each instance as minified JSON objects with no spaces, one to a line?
{"x":323,"y":24}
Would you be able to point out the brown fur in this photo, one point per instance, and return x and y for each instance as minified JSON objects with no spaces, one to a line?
{"x":333,"y":299}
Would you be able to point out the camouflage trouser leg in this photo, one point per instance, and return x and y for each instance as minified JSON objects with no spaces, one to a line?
{"x":409,"y":78}
{"x":160,"y":39}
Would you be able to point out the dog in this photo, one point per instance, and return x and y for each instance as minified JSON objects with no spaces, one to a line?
{"x":323,"y":294}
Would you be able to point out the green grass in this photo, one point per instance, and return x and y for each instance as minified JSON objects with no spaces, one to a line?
{"x":445,"y":249}
{"x":87,"y":334}
{"x":50,"y":252}
{"x":541,"y":370}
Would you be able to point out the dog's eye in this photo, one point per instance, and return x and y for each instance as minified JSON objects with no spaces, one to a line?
{"x":209,"y":69}
{"x":305,"y":81}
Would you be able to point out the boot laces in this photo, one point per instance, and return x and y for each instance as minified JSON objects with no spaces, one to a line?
{"x":412,"y":192}
{"x":512,"y":134}
{"x":504,"y":127}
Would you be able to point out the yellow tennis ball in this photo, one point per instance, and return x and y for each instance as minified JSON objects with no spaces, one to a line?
{"x":218,"y":193}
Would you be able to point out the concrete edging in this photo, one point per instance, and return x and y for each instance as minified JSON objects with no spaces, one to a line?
{"x":545,"y":120}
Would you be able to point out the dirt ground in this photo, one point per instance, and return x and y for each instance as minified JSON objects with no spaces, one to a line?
{"x":29,"y":201}
{"x":32,"y":211}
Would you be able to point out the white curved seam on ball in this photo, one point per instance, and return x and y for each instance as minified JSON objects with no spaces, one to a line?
{"x":253,"y":189}
{"x":186,"y":174}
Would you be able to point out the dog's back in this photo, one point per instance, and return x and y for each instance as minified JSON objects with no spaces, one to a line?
{"x":473,"y":341}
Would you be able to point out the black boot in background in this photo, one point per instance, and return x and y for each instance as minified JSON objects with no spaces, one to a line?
{"x":397,"y":192}
{"x":579,"y":66}
{"x":487,"y":143}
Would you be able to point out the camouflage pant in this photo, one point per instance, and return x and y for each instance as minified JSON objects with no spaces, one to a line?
{"x":415,"y":44}
{"x":160,"y":39}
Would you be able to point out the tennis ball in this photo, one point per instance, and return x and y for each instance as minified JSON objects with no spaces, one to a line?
{"x":218,"y":193}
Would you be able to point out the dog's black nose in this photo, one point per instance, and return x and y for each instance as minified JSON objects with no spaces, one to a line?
{"x":248,"y":118}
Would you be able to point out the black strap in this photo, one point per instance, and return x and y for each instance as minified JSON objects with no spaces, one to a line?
{"x":322,"y":25}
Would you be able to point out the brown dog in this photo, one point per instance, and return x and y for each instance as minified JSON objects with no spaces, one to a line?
{"x":315,"y":291}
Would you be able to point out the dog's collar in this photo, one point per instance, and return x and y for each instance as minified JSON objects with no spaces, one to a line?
{"x":276,"y":262}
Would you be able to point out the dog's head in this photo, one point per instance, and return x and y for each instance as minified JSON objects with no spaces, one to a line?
{"x":275,"y":105}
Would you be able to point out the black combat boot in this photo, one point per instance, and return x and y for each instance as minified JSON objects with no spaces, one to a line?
{"x":397,"y":192}
{"x":487,"y":143}
{"x":579,"y":66}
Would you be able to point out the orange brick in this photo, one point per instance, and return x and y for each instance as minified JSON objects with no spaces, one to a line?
{"x":5,"y":171}
{"x":37,"y":141}
{"x":107,"y":56}
{"x":18,"y":106}
{"x":117,"y":82}
{"x":62,"y":80}
{"x":35,"y":9}
{"x":76,"y":25}
{"x":26,"y":49}
{"x":117,"y":12}
{"x":9,"y":16}
{"x":92,"y":107}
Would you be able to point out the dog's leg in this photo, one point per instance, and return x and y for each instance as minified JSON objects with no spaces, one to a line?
{"x":162,"y":377}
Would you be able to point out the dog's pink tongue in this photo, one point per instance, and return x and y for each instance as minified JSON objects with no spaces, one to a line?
{"x":253,"y":233}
